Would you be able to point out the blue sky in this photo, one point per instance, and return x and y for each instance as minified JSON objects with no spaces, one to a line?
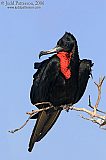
{"x":23,"y":34}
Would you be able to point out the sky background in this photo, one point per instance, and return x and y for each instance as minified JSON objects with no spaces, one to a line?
{"x":23,"y":34}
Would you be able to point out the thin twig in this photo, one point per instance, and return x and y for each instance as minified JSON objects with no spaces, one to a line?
{"x":98,"y":121}
{"x":99,"y":85}
{"x":42,"y":103}
{"x":90,"y":105}
{"x":31,"y":115}
{"x":38,"y":110}
{"x":99,"y":91}
{"x":17,"y":129}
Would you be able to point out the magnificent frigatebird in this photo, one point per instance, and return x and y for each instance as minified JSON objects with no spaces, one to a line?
{"x":60,"y":80}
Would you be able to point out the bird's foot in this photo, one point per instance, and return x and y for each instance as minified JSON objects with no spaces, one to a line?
{"x":66,"y":107}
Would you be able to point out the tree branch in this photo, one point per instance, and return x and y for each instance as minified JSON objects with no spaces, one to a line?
{"x":95,"y":115}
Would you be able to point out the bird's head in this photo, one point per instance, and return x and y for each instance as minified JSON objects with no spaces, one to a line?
{"x":67,"y":43}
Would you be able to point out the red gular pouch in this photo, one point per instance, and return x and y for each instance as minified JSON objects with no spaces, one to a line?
{"x":64,"y":63}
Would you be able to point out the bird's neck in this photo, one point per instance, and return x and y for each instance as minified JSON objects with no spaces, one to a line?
{"x":65,"y":58}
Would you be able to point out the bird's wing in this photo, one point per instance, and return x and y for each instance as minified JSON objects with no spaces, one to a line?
{"x":44,"y":123}
{"x":84,"y":75}
{"x":43,"y":80}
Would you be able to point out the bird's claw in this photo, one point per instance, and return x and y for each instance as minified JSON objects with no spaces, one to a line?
{"x":66,"y":107}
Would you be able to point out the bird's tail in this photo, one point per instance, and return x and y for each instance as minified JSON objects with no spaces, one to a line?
{"x":43,"y":124}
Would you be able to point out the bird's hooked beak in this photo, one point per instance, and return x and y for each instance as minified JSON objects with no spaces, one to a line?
{"x":54,"y":50}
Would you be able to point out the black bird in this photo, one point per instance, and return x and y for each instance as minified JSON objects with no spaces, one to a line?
{"x":60,"y":80}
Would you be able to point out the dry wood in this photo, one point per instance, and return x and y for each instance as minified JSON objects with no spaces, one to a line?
{"x":95,"y":115}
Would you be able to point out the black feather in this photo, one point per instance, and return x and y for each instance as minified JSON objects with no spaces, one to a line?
{"x":50,"y":85}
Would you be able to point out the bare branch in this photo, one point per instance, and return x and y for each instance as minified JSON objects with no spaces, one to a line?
{"x":42,"y":103}
{"x":98,"y":121}
{"x":17,"y":129}
{"x":39,"y":110}
{"x":99,"y":91}
{"x":94,"y":115}
{"x":93,"y":107}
